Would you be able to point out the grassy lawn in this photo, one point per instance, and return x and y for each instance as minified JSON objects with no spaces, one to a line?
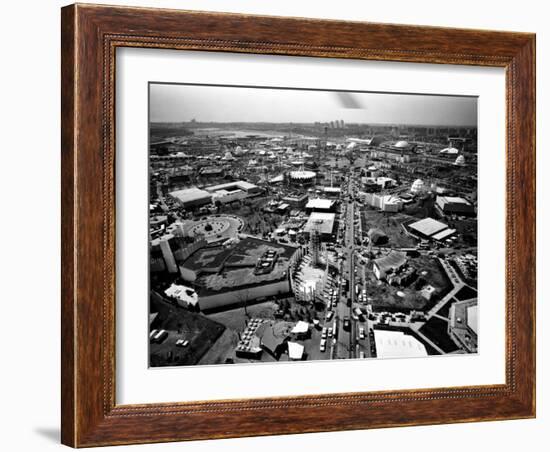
{"x":444,"y":311}
{"x":390,"y":223}
{"x":435,"y":330}
{"x":466,"y":293}
{"x":385,"y":296}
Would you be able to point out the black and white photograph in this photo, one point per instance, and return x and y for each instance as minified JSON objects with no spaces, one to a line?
{"x":302,"y":224}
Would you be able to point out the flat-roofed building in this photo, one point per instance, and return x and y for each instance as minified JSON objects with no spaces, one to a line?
{"x":427,"y":227}
{"x":333,"y":192}
{"x":192,"y":197}
{"x":229,"y":276}
{"x":453,"y":205}
{"x":184,"y":296}
{"x":322,"y":222}
{"x":320,"y":205}
{"x":444,"y":235}
{"x":224,"y":196}
{"x":397,"y":344}
{"x":386,"y":203}
{"x":245,"y":186}
{"x":297,"y":200}
{"x":463,"y":324}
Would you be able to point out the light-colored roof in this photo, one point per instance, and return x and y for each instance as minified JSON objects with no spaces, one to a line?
{"x":319,"y":203}
{"x":277,"y":179}
{"x":428,"y":226}
{"x":417,"y":185}
{"x":472,"y":317}
{"x":190,"y":194}
{"x":397,"y":344}
{"x":449,"y":150}
{"x":302,"y":174}
{"x":393,"y":260}
{"x":300,"y":327}
{"x":242,"y":184}
{"x":452,"y":199}
{"x":295,"y":350}
{"x":182,"y":293}
{"x":401,"y":144}
{"x":322,"y":222}
{"x":443,"y":234}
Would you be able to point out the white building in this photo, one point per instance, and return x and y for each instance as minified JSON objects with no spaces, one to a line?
{"x":387,"y":203}
{"x":418,"y":186}
{"x":397,"y":344}
{"x":185,"y":296}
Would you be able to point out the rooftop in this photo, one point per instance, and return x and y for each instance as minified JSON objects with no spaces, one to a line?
{"x":397,"y":344}
{"x":320,"y":203}
{"x":222,"y":269}
{"x":241,"y":184}
{"x":182,"y":293}
{"x":428,"y":226}
{"x":190,"y":194}
{"x":443,"y":234}
{"x":394,"y":259}
{"x":322,"y":222}
{"x":452,"y":199}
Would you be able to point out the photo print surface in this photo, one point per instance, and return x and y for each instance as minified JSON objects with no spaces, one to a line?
{"x":301,"y":225}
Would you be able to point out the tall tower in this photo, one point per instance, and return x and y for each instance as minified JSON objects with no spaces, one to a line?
{"x":314,"y":246}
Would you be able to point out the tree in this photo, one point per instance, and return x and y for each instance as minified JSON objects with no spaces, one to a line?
{"x":242,"y":298}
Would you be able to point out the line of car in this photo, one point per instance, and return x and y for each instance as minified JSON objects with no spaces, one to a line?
{"x":159,"y":336}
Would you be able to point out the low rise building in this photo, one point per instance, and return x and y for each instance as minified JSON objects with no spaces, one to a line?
{"x":453,"y":205}
{"x":320,"y":205}
{"x":193,"y":197}
{"x":391,"y":263}
{"x":463,"y":324}
{"x":322,"y":222}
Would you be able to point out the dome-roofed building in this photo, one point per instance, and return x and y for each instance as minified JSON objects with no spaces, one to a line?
{"x":460,"y":161}
{"x":302,"y":177}
{"x":449,"y":150}
{"x":401,"y":144}
{"x":228,"y":156}
{"x":418,"y":186}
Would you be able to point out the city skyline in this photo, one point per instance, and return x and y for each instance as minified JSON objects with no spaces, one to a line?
{"x":228,"y":104}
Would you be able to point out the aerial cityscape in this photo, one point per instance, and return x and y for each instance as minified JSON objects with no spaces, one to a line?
{"x":302,"y":225}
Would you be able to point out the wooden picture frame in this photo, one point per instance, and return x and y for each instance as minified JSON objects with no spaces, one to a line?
{"x":90,"y":35}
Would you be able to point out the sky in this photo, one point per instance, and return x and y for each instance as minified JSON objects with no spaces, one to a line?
{"x":205,"y":103}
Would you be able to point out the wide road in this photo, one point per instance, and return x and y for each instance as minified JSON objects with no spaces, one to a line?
{"x":354,"y":344}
